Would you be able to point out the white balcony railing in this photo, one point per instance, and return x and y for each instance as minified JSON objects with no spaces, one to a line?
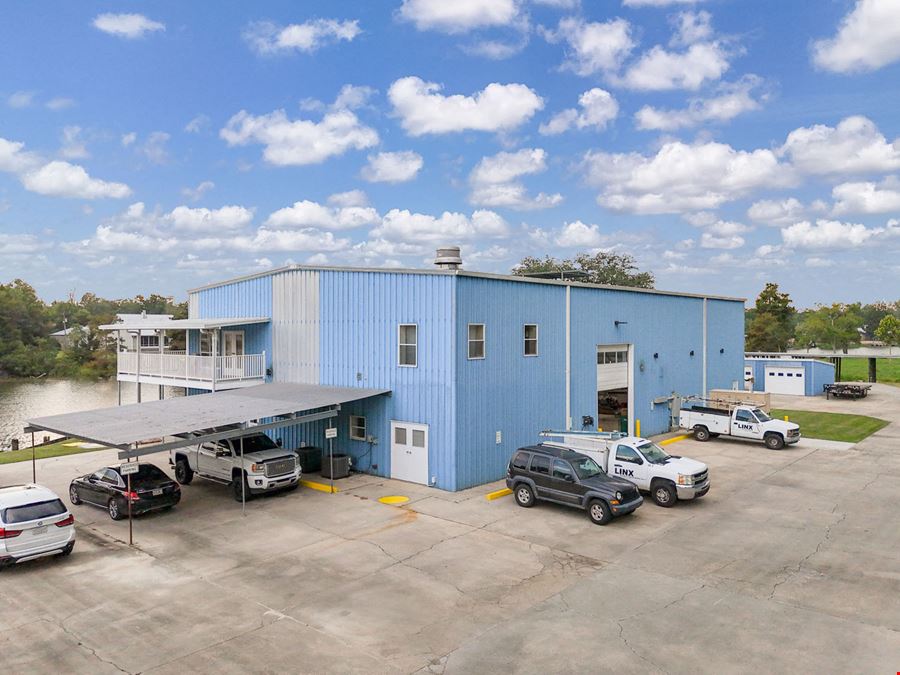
{"x":191,"y":370}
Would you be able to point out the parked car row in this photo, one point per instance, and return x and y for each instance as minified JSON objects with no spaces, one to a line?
{"x":602,"y":473}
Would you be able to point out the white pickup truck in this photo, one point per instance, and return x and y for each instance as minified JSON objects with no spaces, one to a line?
{"x":666,"y":477}
{"x":741,"y":421}
{"x":266,"y":467}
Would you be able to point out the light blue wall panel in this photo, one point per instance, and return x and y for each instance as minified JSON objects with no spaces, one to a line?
{"x":725,"y":344}
{"x":506,"y":391}
{"x":668,"y":326}
{"x":816,"y":374}
{"x":359,"y":317}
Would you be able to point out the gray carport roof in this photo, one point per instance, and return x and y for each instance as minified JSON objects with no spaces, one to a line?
{"x":126,"y":426}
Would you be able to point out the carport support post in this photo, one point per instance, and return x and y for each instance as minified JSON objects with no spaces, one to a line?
{"x":130,"y":529}
{"x":331,"y":458}
{"x":873,"y":373}
{"x":33,"y":463}
{"x":243,"y":481}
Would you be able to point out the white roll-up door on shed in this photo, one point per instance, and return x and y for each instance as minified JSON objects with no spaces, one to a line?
{"x":612,"y":367}
{"x":781,"y":380}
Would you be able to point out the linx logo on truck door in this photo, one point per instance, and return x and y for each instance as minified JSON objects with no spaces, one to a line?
{"x":628,"y":463}
{"x":744,"y":419}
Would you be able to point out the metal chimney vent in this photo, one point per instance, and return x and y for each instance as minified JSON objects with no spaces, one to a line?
{"x":448,"y":258}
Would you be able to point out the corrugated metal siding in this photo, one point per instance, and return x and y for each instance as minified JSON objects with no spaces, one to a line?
{"x":669,"y":326}
{"x":295,"y":326}
{"x":193,"y":306}
{"x":359,"y":317}
{"x":506,"y":391}
{"x":816,"y":374}
{"x":726,"y":332}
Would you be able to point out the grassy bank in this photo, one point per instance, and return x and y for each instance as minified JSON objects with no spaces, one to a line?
{"x":857,"y":370}
{"x":832,"y":426}
{"x":59,"y":449}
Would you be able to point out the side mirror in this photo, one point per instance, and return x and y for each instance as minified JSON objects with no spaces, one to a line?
{"x":569,"y":478}
{"x":638,"y":460}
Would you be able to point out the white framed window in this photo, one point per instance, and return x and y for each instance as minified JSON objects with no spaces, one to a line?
{"x":149,"y":340}
{"x":531,"y":339}
{"x":357,"y":428}
{"x":476,"y":340}
{"x":205,"y":343}
{"x":408,"y":345}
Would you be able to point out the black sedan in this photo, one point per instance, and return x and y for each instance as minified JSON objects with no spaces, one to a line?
{"x":151,"y":489}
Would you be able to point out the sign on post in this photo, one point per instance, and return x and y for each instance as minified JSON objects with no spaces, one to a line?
{"x":129,"y":468}
{"x":331,"y":433}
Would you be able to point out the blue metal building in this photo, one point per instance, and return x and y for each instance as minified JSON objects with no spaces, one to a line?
{"x":477,"y":364}
{"x":787,"y":375}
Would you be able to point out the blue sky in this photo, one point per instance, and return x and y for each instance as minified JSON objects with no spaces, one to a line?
{"x":156,"y":146}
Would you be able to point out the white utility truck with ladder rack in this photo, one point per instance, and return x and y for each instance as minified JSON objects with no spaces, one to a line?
{"x":666,"y":477}
{"x":737,"y":420}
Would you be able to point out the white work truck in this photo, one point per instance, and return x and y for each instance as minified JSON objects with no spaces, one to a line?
{"x":264,"y":466}
{"x":738,"y":421}
{"x":666,"y":477}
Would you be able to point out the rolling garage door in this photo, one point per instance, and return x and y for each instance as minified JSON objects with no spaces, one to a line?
{"x":780,"y":380}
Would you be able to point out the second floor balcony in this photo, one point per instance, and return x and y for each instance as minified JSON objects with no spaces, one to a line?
{"x":178,"y":369}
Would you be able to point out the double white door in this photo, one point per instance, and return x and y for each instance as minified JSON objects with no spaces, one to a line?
{"x":409,"y":452}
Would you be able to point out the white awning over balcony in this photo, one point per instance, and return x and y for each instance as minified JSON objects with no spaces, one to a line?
{"x":162,"y":322}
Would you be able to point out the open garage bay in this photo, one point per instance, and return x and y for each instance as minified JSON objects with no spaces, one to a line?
{"x":790,"y":563}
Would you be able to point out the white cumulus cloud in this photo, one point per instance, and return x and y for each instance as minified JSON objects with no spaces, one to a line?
{"x":868,"y":38}
{"x":834,"y":234}
{"x":210,"y":220}
{"x":62,"y":179}
{"x":663,"y":70}
{"x":657,"y":3}
{"x":458,"y":16}
{"x":855,"y":145}
{"x":593,"y":47}
{"x":400,"y":225}
{"x":777,"y":212}
{"x":580,"y":235}
{"x":128,"y":26}
{"x":731,"y":100}
{"x":495,"y":181}
{"x":867,"y":197}
{"x":265,"y":37}
{"x":392,"y":167}
{"x":297,"y":142}
{"x":424,"y":110}
{"x":597,"y":109}
{"x":309,"y":214}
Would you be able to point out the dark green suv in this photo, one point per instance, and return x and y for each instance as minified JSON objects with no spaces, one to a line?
{"x":554,"y":474}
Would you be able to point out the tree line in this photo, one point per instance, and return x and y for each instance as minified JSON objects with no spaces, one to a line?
{"x":773,"y":324}
{"x":26,"y":322}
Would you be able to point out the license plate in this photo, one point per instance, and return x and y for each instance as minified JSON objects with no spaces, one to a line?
{"x":157,"y":493}
{"x":39,"y":530}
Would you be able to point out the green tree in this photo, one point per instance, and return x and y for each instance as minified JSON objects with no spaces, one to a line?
{"x":832,"y":326}
{"x":613,"y":269}
{"x":770,"y":327}
{"x":888,"y":331}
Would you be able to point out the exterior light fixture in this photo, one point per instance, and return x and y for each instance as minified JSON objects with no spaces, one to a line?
{"x":620,"y":323}
{"x":722,"y":350}
{"x":655,"y":355}
{"x":692,"y":352}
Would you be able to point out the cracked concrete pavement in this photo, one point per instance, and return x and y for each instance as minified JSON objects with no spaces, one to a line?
{"x":790,"y":562}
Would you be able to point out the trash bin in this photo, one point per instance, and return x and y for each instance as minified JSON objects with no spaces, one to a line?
{"x":341,"y":465}
{"x":623,"y":424}
{"x":310,"y":459}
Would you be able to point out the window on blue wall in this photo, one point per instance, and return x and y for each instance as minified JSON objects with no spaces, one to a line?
{"x":531,"y":339}
{"x":476,"y":340}
{"x":408,"y":351}
{"x":357,"y":428}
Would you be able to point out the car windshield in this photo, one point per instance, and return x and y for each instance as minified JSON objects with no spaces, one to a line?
{"x":760,"y":415}
{"x":254,"y":444}
{"x":585,"y":467}
{"x":148,"y":472}
{"x":653,"y":453}
{"x":22,"y":514}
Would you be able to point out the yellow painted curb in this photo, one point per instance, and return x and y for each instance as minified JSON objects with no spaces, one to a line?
{"x":393,"y":499}
{"x":322,"y":487}
{"x":674,"y":439}
{"x":497,"y":494}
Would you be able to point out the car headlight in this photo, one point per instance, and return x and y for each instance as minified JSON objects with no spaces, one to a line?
{"x":257,"y":468}
{"x":619,"y":496}
{"x":685,"y":480}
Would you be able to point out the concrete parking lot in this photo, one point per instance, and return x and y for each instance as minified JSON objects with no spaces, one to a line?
{"x":789,"y":564}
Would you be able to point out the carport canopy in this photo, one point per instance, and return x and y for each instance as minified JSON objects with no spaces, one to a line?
{"x":200,"y":418}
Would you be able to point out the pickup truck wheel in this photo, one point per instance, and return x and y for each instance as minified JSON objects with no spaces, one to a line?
{"x":524,"y":495}
{"x":774,"y":441}
{"x":701,"y":434}
{"x":239,"y":493}
{"x":599,"y":512}
{"x":664,"y":494}
{"x":183,"y":473}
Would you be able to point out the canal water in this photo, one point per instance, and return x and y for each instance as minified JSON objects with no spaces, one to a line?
{"x":21,"y":400}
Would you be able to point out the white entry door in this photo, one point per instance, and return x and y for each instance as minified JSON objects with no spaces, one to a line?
{"x":781,"y":380}
{"x":409,"y":452}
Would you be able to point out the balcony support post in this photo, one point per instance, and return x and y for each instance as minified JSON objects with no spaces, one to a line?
{"x":138,"y":369}
{"x":162,"y":337}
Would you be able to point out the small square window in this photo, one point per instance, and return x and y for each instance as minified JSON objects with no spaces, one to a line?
{"x":418,"y":438}
{"x":476,"y":340}
{"x":400,"y":435}
{"x":357,"y":428}
{"x":408,"y":345}
{"x":531,"y":339}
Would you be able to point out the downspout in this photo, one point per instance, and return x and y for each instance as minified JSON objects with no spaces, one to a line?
{"x":568,"y":357}
{"x":705,"y":342}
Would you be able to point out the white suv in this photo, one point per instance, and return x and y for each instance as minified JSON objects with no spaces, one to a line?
{"x":33,"y":523}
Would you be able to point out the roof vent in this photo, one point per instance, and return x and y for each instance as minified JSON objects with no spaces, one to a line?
{"x":448,"y":258}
